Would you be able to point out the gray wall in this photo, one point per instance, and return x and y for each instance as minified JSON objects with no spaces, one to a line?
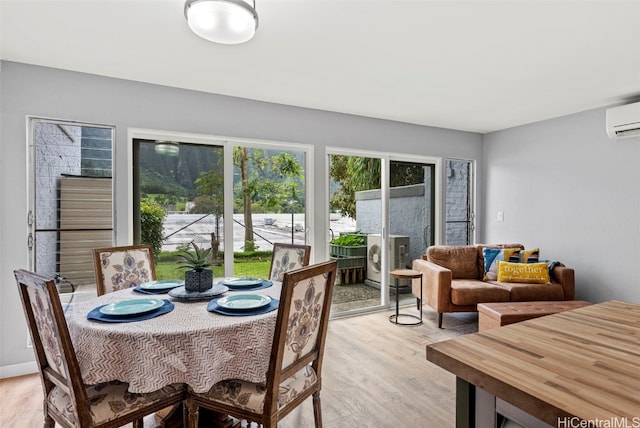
{"x":407,"y":215}
{"x":45,"y":92}
{"x":565,"y":187}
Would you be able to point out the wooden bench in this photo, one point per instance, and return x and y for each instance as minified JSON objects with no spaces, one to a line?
{"x":492,"y":315}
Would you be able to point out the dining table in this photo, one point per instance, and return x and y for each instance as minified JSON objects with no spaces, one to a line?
{"x":188,"y":344}
{"x":571,"y":369}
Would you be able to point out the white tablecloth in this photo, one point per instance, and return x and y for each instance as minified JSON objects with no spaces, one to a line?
{"x":188,"y":345}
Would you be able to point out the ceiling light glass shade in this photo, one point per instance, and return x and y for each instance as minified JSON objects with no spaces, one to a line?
{"x":167,"y":148}
{"x":222,"y":21}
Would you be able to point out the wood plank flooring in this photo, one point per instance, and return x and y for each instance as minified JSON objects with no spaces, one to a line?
{"x":375,"y":375}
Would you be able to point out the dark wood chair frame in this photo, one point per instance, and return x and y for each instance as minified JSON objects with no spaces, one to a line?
{"x":97,"y":263}
{"x":72,"y":384}
{"x":271,"y":414}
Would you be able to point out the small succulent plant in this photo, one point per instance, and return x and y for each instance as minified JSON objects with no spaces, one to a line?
{"x":198,"y":259}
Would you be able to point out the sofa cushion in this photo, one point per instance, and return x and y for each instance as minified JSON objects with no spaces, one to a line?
{"x":528,"y":273}
{"x":472,"y":292}
{"x":461,"y":260}
{"x":520,"y":292}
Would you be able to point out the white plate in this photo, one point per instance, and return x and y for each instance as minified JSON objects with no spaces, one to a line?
{"x":241,"y":282}
{"x":242,"y":302}
{"x":162,"y":284}
{"x":131,"y":307}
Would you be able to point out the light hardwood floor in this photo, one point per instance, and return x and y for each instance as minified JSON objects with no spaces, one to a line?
{"x":375,"y":375}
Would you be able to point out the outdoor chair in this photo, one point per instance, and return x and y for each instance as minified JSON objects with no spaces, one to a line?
{"x":288,"y":257}
{"x":117,"y":268}
{"x":295,"y":367}
{"x":67,"y":400}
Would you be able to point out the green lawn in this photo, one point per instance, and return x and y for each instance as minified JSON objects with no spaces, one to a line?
{"x":257,"y":266}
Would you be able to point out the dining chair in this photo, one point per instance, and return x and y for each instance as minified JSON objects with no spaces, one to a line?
{"x":122,"y":267}
{"x":67,"y":400}
{"x":295,"y":366}
{"x":288,"y":257}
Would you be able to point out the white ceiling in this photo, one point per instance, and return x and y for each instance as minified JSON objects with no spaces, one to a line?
{"x":471,"y":65}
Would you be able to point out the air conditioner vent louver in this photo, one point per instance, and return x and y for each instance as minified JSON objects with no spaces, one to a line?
{"x":630,"y":133}
{"x":398,"y":255}
{"x":624,"y":121}
{"x":374,"y":258}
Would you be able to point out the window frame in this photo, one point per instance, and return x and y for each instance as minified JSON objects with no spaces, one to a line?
{"x":228,"y":143}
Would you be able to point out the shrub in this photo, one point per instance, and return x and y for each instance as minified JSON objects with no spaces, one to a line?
{"x":152,"y":217}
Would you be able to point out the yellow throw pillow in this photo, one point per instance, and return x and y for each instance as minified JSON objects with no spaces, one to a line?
{"x":529,"y":273}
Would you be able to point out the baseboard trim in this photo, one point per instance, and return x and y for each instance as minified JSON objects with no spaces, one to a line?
{"x":18,"y":369}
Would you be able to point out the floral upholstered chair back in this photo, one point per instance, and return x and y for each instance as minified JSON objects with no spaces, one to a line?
{"x":287,"y":257}
{"x":302,"y":329}
{"x":45,"y":317}
{"x":118,"y":268}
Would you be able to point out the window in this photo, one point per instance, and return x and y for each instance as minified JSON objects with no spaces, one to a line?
{"x":237,"y":197}
{"x":459,"y":205}
{"x":71,"y":204}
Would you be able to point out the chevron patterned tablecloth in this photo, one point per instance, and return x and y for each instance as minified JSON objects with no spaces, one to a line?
{"x":188,"y":345}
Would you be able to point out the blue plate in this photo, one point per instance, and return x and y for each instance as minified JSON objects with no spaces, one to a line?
{"x":243,"y":302}
{"x":242,"y":282}
{"x":131,"y":307}
{"x":162,"y":284}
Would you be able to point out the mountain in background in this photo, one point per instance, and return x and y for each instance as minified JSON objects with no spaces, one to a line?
{"x":176,"y":175}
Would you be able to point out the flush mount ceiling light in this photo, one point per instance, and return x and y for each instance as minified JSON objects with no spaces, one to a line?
{"x":167,"y":148}
{"x":222,"y":21}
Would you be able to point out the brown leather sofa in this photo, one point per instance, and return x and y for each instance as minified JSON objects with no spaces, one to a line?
{"x":452,"y":281}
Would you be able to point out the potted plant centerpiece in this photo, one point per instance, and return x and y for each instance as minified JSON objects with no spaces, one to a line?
{"x":197,"y":277}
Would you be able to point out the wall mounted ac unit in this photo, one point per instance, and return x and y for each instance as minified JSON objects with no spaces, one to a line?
{"x":624,"y":121}
{"x":399,"y":255}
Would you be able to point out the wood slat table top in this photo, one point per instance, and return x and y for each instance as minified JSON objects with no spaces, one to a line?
{"x":515,"y":309}
{"x":581,"y":363}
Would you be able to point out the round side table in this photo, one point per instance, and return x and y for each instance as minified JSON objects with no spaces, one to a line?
{"x":406,"y":274}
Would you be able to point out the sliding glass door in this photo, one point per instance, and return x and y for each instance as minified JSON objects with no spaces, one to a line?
{"x":356,"y":225}
{"x":411,"y":218}
{"x":377,"y":227}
